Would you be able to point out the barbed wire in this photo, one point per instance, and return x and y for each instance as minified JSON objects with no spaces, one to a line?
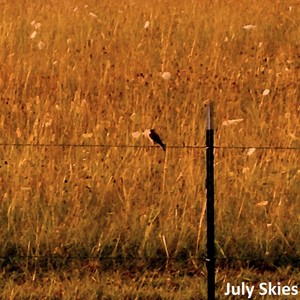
{"x":149,"y":146}
{"x":108,"y":257}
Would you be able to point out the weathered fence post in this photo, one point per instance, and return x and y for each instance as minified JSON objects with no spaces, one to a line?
{"x":210,"y":259}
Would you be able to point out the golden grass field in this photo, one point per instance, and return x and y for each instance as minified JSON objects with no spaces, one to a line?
{"x":124,"y":219}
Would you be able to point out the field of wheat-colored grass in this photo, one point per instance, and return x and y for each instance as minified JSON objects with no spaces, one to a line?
{"x":124,"y":218}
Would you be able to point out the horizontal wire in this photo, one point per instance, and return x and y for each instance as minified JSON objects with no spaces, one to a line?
{"x":55,"y":256}
{"x":139,"y":146}
{"x":258,"y":147}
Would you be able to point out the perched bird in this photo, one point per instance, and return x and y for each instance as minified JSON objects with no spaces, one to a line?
{"x":154,"y":137}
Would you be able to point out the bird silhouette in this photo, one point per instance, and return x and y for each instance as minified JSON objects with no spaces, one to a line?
{"x":156,"y":139}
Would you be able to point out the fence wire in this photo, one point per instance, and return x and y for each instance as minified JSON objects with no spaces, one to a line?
{"x":202,"y":259}
{"x":149,"y":146}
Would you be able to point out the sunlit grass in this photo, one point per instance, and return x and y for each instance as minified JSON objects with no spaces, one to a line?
{"x":99,"y":74}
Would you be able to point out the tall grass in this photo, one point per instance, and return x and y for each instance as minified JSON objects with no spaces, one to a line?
{"x":92,"y":74}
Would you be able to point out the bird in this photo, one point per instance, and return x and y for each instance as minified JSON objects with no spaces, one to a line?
{"x":154,"y":137}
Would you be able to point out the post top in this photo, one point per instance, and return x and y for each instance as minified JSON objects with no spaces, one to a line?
{"x":210,"y":115}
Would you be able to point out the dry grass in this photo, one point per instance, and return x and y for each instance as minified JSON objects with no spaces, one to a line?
{"x":91,"y":74}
